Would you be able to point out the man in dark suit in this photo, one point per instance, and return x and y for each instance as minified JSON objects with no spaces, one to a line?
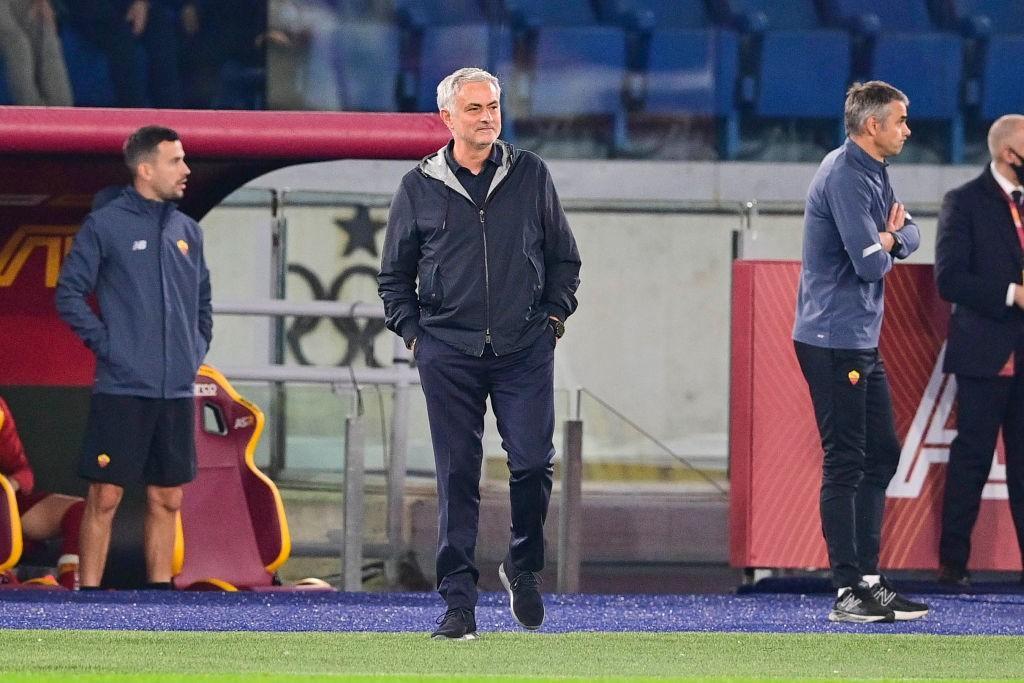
{"x":978,"y":264}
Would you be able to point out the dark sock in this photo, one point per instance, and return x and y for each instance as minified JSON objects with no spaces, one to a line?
{"x":88,"y":588}
{"x":159,"y":586}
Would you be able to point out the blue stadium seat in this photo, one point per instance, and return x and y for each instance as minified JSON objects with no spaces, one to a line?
{"x":367,"y":66}
{"x":692,"y":72}
{"x":579,"y":70}
{"x":88,"y":70}
{"x":691,"y":14}
{"x":874,"y":16}
{"x":774,"y":14}
{"x":442,"y":12}
{"x":447,"y":48}
{"x":929,"y":67}
{"x":1000,"y":89}
{"x":803,"y":74}
{"x":551,"y":13}
{"x":984,"y":16}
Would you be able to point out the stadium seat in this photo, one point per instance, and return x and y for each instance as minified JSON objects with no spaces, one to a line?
{"x":578,"y":70}
{"x":579,"y":73}
{"x":540,"y":13}
{"x":233,"y":532}
{"x":10,"y":525}
{"x":676,"y":15}
{"x":981,"y":17}
{"x":442,"y":12}
{"x":872,"y":16}
{"x":693,"y":73}
{"x":366,"y":64}
{"x":929,"y":66}
{"x":761,"y":15}
{"x":1000,"y":92}
{"x":447,"y":48}
{"x":802,"y":74}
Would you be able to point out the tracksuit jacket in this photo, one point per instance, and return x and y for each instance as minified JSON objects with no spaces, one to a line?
{"x":489,"y":274}
{"x":13,"y":463}
{"x":840,"y":301}
{"x":144,"y":261}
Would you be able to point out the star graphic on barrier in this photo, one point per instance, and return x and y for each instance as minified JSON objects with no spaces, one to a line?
{"x":361,"y":230}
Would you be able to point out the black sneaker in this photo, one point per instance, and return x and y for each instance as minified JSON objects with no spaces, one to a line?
{"x":524,"y":597}
{"x":458,"y":623}
{"x":903,"y":609}
{"x":857,"y":604}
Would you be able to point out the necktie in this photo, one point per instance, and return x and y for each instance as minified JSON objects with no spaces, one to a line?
{"x":1018,"y":199}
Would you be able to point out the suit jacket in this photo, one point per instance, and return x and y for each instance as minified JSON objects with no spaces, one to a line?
{"x":977,"y":255}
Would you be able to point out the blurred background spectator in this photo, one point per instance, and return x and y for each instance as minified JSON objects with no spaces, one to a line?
{"x":31,"y":50}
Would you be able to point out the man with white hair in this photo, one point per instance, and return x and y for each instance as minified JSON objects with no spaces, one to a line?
{"x":978,"y":262}
{"x":478,"y":274}
{"x":854,"y":230}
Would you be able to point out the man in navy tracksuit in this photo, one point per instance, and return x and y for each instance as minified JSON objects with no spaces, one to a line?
{"x":143,"y":259}
{"x":478,"y":225}
{"x":854,"y":228}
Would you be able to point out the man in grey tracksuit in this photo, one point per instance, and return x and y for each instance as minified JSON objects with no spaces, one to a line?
{"x":478,"y":274}
{"x":854,"y":229}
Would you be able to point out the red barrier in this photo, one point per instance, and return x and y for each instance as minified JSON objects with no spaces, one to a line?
{"x":775,"y":452}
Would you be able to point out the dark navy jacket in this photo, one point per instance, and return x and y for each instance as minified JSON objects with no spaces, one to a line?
{"x":487,"y":274}
{"x":144,"y":261}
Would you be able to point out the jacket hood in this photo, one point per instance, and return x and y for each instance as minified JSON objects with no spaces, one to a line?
{"x":434,"y":166}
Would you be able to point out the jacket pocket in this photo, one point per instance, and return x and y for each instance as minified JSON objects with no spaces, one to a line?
{"x":537,"y":281}
{"x":431,"y":289}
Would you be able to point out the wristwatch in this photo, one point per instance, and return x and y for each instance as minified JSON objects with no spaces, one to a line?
{"x":897,"y":244}
{"x":557,"y":326}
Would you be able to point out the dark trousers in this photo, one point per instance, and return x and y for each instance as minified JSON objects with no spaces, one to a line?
{"x":984,"y":404}
{"x":853,"y":408}
{"x":520,"y":387}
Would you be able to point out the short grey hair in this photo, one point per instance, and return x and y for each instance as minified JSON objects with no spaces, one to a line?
{"x":864,"y":100}
{"x":450,"y":85}
{"x":1002,"y":130}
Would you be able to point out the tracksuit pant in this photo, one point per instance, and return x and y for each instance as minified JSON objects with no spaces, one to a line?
{"x":853,"y":408}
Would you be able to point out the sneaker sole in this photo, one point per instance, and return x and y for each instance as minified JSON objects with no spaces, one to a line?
{"x":836,"y":615}
{"x":468,"y":636}
{"x":910,"y":616}
{"x":511,"y":599}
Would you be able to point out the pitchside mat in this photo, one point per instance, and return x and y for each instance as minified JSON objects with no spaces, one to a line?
{"x":133,"y":636}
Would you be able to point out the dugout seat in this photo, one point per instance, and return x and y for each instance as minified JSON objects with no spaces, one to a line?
{"x":232,"y":531}
{"x":10,"y":526}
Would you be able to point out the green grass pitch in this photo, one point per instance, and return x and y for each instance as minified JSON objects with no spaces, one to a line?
{"x":253,"y":657}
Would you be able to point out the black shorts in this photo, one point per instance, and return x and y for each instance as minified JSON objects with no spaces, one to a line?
{"x":130,"y":439}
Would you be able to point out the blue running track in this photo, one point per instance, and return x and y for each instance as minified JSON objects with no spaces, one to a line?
{"x":985,"y":614}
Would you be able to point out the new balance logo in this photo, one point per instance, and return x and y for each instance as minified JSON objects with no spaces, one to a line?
{"x":929,"y":438}
{"x":138,"y":245}
{"x":849,"y":602}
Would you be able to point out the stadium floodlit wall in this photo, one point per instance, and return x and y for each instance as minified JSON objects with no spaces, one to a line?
{"x":775,"y":452}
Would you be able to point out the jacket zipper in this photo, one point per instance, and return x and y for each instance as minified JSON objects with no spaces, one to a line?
{"x":163,"y":296}
{"x":487,"y":283}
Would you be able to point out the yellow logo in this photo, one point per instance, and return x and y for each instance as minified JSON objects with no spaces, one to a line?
{"x":55,"y":240}
{"x":103,"y":460}
{"x":183,"y":247}
{"x":854,"y":377}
